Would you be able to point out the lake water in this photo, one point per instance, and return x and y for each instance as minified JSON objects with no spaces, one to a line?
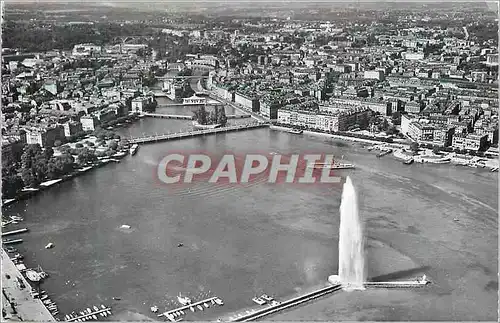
{"x":242,"y":241}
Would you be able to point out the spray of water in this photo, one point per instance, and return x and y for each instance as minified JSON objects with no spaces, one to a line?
{"x":351,"y":241}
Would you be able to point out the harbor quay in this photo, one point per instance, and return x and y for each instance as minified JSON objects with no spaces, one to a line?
{"x":18,"y":302}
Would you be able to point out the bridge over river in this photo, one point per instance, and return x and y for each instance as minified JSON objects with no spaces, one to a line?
{"x":195,"y":133}
{"x":188,"y":117}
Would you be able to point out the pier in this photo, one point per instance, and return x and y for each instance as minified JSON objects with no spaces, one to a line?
{"x":168,"y":314}
{"x":89,"y":315}
{"x":397,"y":284}
{"x":195,"y":133}
{"x":14,"y":232}
{"x":7,"y":242}
{"x":287,"y":304}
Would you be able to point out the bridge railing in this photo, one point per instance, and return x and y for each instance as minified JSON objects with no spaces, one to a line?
{"x":196,"y":132}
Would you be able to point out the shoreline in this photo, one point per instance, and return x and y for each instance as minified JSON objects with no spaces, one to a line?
{"x":37,"y":311}
{"x":28,"y":192}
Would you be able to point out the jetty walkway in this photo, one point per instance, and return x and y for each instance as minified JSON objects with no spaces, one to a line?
{"x":86,"y":316}
{"x":168,"y":313}
{"x":195,"y":133}
{"x":287,"y":304}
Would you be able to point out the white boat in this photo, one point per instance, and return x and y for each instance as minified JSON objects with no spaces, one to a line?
{"x":332,"y":166}
{"x":154,"y":309}
{"x":95,"y":308}
{"x":258,"y":301}
{"x":94,"y":317}
{"x":200,"y":307}
{"x":133,"y":149}
{"x":267,"y":298}
{"x":219,"y":301}
{"x":192,"y":309}
{"x":125,"y":226}
{"x":33,"y":276}
{"x":183,"y":300}
{"x":295,"y":131}
{"x":49,"y":245}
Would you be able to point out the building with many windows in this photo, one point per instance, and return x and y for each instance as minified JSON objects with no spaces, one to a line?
{"x":45,"y":136}
{"x":470,"y":141}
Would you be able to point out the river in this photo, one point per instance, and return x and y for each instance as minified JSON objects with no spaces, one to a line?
{"x":279,"y":239}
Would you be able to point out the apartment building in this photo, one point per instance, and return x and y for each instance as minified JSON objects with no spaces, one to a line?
{"x":469,"y":141}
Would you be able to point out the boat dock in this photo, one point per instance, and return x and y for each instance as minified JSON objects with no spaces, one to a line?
{"x":287,"y":304}
{"x":14,"y":232}
{"x":7,"y":242}
{"x":397,"y":284}
{"x":168,"y":314}
{"x":88,"y":316}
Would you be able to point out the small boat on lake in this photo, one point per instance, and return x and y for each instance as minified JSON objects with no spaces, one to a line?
{"x":408,"y":161}
{"x":133,"y":149}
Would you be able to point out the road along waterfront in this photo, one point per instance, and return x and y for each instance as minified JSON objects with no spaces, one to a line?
{"x":27,"y":307}
{"x":242,"y":241}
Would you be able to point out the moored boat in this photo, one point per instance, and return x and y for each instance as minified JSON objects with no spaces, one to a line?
{"x":408,"y":161}
{"x":133,"y":149}
{"x":296,"y":131}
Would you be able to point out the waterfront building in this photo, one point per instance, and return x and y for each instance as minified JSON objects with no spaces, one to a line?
{"x":89,"y":122}
{"x":72,"y":128}
{"x":420,"y":131}
{"x":247,"y":101}
{"x":470,"y":141}
{"x":141,"y":104}
{"x":269,"y":108}
{"x":45,"y":136}
{"x":105,"y":115}
{"x":326,"y":120}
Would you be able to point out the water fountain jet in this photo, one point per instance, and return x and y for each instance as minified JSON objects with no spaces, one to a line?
{"x":352,"y":273}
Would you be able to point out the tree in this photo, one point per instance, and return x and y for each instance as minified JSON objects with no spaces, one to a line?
{"x":29,"y":179}
{"x":385,"y":125}
{"x":57,"y":143}
{"x":48,"y":152}
{"x":414,"y":147}
{"x":222,"y":118}
{"x":113,"y":145}
{"x":11,"y":185}
{"x":85,"y":156}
